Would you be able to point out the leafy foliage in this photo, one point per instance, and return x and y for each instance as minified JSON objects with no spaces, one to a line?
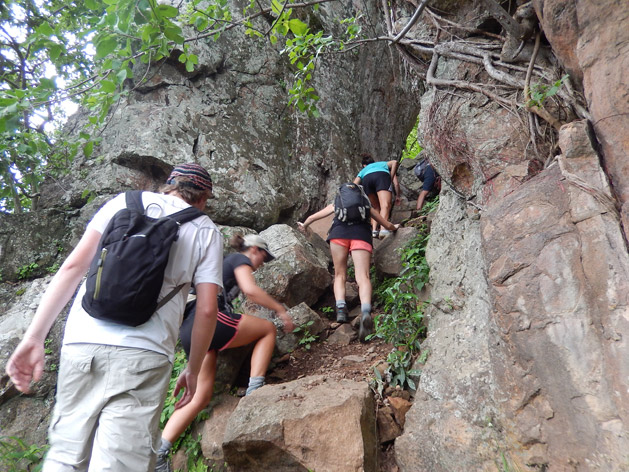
{"x":402,"y":324}
{"x":412,"y":147}
{"x":41,"y":48}
{"x":540,"y":92}
{"x":306,"y":338}
{"x":17,"y":456}
{"x":27,"y":271}
{"x":53,"y":52}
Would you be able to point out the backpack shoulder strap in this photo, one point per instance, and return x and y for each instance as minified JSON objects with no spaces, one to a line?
{"x":185,"y":215}
{"x":134,"y":200}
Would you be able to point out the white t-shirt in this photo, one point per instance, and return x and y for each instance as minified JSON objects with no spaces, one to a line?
{"x":197,"y":256}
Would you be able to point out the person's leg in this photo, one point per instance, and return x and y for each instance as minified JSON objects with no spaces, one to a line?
{"x":128,"y":427}
{"x":340,"y":253}
{"x":362,"y":263}
{"x":77,"y":406}
{"x":184,"y":416}
{"x":385,"y":198}
{"x":262,"y":332}
{"x":375,"y":204}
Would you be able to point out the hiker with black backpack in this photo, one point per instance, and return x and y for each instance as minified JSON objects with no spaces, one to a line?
{"x":431,"y":182}
{"x":379,"y":179}
{"x":233,"y":330}
{"x":350,"y":233}
{"x":116,"y":363}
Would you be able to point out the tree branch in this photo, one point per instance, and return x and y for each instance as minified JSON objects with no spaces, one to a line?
{"x":411,"y":22}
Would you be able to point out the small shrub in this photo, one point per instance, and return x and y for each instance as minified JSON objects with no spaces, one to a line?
{"x":306,"y":338}
{"x":402,"y":324}
{"x":27,"y":271}
{"x":17,"y":456}
{"x":540,"y":92}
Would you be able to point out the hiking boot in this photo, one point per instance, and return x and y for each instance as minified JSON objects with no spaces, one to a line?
{"x":341,"y":315}
{"x":384,"y":233}
{"x":163,"y":464}
{"x":366,"y":327}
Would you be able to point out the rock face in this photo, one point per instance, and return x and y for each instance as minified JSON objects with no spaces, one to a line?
{"x":529,"y":312}
{"x":561,"y":293}
{"x":598,"y":51}
{"x":307,"y":424}
{"x":269,"y":163}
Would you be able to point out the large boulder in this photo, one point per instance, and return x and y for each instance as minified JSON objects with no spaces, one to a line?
{"x":308,"y":424}
{"x":300,"y":272}
{"x":386,"y":256}
{"x":303,"y":317}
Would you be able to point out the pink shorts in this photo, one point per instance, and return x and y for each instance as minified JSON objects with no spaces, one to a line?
{"x":353,"y":244}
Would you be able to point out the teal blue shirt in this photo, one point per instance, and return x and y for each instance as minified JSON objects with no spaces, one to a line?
{"x":381,"y":166}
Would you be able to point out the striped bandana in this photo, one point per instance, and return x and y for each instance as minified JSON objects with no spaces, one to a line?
{"x":197,"y":176}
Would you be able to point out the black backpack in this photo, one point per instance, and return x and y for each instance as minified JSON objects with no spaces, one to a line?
{"x":420,"y":168}
{"x":351,"y":205}
{"x":127,"y":272}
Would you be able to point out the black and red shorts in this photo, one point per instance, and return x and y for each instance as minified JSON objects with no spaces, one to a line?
{"x":226,"y":329}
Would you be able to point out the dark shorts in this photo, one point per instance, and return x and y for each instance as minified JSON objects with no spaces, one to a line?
{"x":376,"y":181}
{"x":226,"y":329}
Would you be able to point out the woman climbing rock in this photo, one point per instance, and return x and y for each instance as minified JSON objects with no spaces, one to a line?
{"x":355,"y":238}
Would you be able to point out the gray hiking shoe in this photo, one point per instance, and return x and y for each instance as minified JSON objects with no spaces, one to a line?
{"x":163,"y":463}
{"x":366,"y":327}
{"x":341,"y":315}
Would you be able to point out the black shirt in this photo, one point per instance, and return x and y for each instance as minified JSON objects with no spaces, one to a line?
{"x":230,"y":284}
{"x":360,"y":231}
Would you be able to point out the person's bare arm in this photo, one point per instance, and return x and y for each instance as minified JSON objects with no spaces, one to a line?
{"x":247,"y":284}
{"x":422,"y":199}
{"x":202,"y":334}
{"x":316,"y":216}
{"x":27,"y":361}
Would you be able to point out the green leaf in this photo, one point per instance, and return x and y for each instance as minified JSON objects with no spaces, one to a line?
{"x":45,"y":30}
{"x":47,"y":83}
{"x":105,"y":46}
{"x":189,"y":66}
{"x":55,"y":51}
{"x":183,"y":58}
{"x":107,"y":86}
{"x":88,"y":148}
{"x":92,"y":4}
{"x":276,"y":7}
{"x":167,"y":11}
{"x":297,"y":27}
{"x":122,"y":75}
{"x":174,"y":34}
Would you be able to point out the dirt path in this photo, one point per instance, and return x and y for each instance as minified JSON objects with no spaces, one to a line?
{"x":354,"y":361}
